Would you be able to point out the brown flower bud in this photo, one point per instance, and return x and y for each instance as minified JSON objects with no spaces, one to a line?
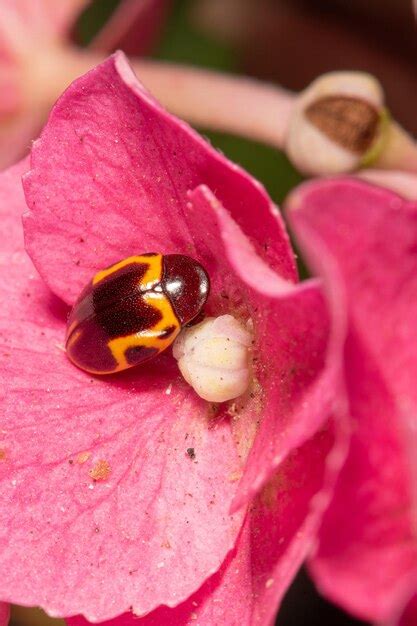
{"x":338,"y":124}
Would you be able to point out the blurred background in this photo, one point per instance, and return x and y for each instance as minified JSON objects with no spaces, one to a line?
{"x":289,"y":42}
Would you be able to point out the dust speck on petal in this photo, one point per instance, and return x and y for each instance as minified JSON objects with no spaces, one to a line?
{"x":83,"y":457}
{"x":101,"y":470}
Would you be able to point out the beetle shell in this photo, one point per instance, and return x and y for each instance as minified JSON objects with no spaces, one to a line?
{"x":133,"y":310}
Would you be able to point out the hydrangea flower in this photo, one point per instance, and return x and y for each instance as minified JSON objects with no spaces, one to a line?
{"x":363,"y":241}
{"x":37,"y":58}
{"x":23,"y":25}
{"x":408,"y":613}
{"x":103,"y":509}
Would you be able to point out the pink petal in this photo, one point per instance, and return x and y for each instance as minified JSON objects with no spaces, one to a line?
{"x":16,"y":136}
{"x":25,"y":27}
{"x":364,"y":242}
{"x":119,"y":436}
{"x":135,"y":26}
{"x":79,"y":195}
{"x":284,"y":521}
{"x":94,"y":200}
{"x":408,"y":615}
{"x":126,"y":444}
{"x":60,"y":15}
{"x":294,"y":364}
{"x":155,"y":523}
{"x":4,"y":614}
{"x":39,"y":17}
{"x":276,"y":537}
{"x":110,"y":176}
{"x":403,"y":183}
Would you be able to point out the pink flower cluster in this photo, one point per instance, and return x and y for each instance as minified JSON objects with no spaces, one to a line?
{"x":104,"y":513}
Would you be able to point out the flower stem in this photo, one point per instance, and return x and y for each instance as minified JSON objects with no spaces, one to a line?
{"x":210,"y":100}
{"x":237,"y":105}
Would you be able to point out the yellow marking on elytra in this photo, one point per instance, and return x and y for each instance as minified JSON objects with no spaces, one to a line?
{"x":153,"y":273}
{"x":151,"y":337}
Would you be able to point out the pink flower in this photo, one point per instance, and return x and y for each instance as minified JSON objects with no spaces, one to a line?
{"x":104,"y":510}
{"x":363,"y":241}
{"x":37,"y":58}
{"x":407,"y":616}
{"x":4,"y":614}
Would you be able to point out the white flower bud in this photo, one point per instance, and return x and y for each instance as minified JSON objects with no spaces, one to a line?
{"x":213,"y":357}
{"x":337,"y":124}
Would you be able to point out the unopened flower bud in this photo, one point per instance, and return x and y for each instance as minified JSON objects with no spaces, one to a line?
{"x":338,"y":124}
{"x":213,"y":357}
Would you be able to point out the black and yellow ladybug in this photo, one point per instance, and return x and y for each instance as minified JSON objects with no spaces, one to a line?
{"x":134,"y":309}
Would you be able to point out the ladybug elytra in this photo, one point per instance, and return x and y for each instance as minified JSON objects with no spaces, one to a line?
{"x":133,"y":310}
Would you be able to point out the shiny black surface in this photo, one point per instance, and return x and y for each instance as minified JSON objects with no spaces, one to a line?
{"x":187,"y":285}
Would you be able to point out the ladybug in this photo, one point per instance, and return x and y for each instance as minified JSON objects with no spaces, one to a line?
{"x":133,"y":310}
